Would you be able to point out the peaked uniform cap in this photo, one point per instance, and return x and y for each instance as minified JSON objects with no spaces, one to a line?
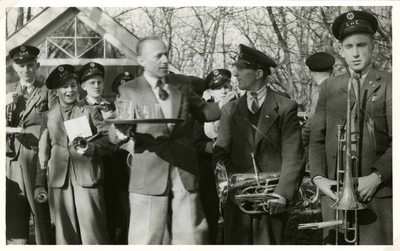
{"x":89,"y":70}
{"x":354,"y":22}
{"x":320,"y":62}
{"x":23,"y":53}
{"x":252,"y":58}
{"x":217,"y":78}
{"x":59,"y":75}
{"x":120,"y":79}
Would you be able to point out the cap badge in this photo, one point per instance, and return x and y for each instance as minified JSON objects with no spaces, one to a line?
{"x":60,"y":69}
{"x":126,"y":73}
{"x":215,"y":72}
{"x":23,"y":48}
{"x":92,"y":64}
{"x":350,"y":16}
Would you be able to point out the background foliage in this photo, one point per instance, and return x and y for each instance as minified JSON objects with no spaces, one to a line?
{"x":201,"y":39}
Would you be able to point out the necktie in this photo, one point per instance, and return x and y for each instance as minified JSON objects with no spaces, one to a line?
{"x":254,"y":105}
{"x":163,"y":94}
{"x":354,"y":123}
{"x":24,"y":92}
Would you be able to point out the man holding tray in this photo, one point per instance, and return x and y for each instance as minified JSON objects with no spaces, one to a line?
{"x":164,"y":197}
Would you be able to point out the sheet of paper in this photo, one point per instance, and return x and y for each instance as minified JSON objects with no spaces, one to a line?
{"x":78,"y":127}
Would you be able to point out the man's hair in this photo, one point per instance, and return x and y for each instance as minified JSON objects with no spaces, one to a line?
{"x":142,"y":41}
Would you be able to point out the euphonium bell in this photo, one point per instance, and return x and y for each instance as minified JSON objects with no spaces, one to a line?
{"x":249,"y":191}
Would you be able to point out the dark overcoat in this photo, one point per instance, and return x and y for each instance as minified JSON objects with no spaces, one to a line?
{"x":376,"y":146}
{"x":282,"y":151}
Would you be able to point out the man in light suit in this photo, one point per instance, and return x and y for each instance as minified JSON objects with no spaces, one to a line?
{"x":266,"y":124}
{"x":164,"y":198}
{"x":75,"y":176}
{"x":355,"y":30}
{"x":26,"y":101}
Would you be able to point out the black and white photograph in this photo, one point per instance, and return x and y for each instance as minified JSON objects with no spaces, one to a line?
{"x":223,"y":123}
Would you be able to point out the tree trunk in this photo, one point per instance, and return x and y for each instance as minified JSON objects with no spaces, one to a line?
{"x":286,"y":60}
{"x":28,"y":14}
{"x":20,"y":18}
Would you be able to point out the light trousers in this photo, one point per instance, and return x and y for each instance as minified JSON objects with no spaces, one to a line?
{"x":79,"y":213}
{"x":175,"y":217}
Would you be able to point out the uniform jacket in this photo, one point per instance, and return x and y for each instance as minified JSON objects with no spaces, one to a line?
{"x":376,"y":117}
{"x":283,"y":152}
{"x":108,"y":107}
{"x":157,"y":147}
{"x":56,"y":153}
{"x":40,"y":100}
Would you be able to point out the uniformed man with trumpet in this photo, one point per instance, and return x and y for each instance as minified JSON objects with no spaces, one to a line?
{"x":355,"y":30}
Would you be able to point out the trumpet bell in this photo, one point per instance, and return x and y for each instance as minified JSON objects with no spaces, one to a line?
{"x":348,"y":201}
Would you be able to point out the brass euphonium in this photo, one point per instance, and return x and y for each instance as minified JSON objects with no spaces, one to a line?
{"x":252,"y":192}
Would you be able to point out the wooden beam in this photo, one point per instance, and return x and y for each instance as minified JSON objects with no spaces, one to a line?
{"x":40,"y":28}
{"x":112,"y":31}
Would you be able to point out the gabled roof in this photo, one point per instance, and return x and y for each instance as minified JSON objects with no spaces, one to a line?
{"x":52,"y":18}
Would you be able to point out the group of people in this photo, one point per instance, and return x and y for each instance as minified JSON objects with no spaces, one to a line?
{"x":154,"y":183}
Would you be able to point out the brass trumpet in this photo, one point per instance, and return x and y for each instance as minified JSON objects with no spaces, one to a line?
{"x":348,"y":152}
{"x":347,"y":198}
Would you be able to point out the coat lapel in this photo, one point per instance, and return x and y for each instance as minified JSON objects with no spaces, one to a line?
{"x":268,"y":116}
{"x":57,"y":117}
{"x":240,"y":118}
{"x":344,"y":86}
{"x":371,"y":83}
{"x":34,"y":98}
{"x":143,"y":92}
{"x":176,"y":96}
{"x":345,"y":81}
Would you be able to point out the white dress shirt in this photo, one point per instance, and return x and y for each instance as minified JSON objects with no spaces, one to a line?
{"x":29,"y":86}
{"x":260,"y":96}
{"x":364,"y":73}
{"x":166,"y":105}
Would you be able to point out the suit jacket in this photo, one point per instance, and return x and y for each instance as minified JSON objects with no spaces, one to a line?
{"x":156,"y":147}
{"x":376,"y":118}
{"x":40,"y":100}
{"x":56,"y":153}
{"x":283,"y":150}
